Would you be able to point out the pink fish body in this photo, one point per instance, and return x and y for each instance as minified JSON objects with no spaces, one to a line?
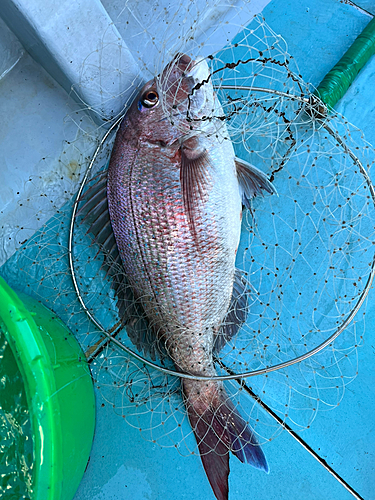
{"x":175,"y":194}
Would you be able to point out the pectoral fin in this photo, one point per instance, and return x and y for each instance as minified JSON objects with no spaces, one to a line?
{"x":252,"y":181}
{"x":195,"y":181}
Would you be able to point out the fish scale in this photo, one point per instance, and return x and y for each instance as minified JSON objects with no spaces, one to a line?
{"x":171,"y":264}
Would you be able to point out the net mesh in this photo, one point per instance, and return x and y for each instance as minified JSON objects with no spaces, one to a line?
{"x":307,"y":252}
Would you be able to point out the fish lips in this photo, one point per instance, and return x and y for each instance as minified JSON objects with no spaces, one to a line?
{"x":201,"y":96}
{"x":186,"y":92}
{"x":183,"y":75}
{"x":200,"y":72}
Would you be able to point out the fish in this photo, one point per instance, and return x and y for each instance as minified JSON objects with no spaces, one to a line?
{"x":174,"y":194}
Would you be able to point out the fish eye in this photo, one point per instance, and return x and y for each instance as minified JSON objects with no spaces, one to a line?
{"x":150,"y":99}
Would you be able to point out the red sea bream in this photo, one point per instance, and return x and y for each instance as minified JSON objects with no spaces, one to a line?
{"x":175,"y":194}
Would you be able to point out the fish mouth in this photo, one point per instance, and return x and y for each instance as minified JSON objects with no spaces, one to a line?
{"x":183,"y":62}
{"x":187,"y":87}
{"x":201,"y":90}
{"x":189,"y":68}
{"x":199,"y":71}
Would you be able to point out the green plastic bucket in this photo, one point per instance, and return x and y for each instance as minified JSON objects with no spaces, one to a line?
{"x":59,"y":394}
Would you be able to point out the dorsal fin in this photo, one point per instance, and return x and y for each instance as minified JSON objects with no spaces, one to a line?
{"x":237,"y":311}
{"x":252,"y":181}
{"x":95,"y":214}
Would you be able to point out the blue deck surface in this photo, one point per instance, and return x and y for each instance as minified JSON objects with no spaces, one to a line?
{"x":124,"y":466}
{"x":318,"y":33}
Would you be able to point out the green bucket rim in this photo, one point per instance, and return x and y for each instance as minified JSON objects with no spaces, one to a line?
{"x":37,"y":370}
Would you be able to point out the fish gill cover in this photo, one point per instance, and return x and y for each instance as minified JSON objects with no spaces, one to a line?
{"x":307,"y":253}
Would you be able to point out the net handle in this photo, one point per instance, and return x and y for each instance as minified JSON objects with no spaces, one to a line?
{"x":337,"y":81}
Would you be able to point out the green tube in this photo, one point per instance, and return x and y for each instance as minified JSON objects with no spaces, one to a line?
{"x":335,"y":84}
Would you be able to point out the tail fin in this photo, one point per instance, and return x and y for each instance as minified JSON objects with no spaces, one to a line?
{"x":219,"y":429}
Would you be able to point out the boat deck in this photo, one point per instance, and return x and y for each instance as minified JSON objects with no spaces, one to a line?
{"x":123,"y":465}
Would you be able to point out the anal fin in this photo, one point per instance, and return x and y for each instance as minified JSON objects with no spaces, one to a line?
{"x":237,"y":311}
